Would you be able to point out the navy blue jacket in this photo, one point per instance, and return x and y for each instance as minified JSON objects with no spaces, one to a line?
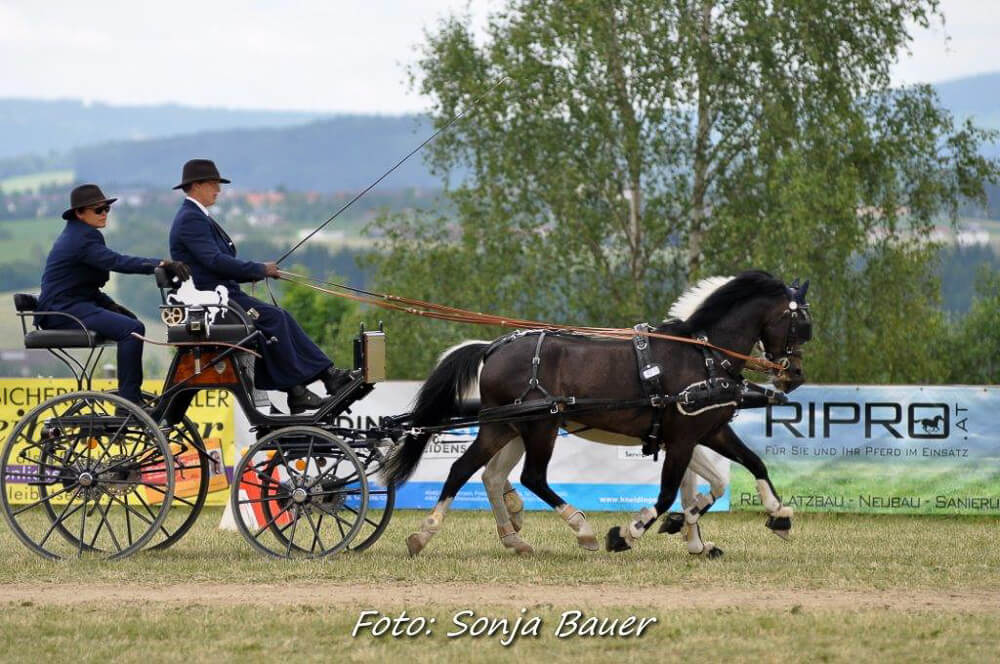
{"x":197,"y":240}
{"x":78,"y":266}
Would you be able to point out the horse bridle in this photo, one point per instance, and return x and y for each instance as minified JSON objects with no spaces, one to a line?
{"x":799,"y":330}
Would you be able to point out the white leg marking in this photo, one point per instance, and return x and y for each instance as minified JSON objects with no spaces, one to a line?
{"x":578,"y":523}
{"x":429,"y":527}
{"x":507,"y":505}
{"x":771,"y":502}
{"x":635,"y":528}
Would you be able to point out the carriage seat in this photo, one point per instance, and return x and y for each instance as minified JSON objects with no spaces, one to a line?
{"x":231,"y":326}
{"x":26,"y":306}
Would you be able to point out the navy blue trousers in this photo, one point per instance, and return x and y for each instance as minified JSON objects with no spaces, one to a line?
{"x":118,"y":328}
{"x":291,"y":360}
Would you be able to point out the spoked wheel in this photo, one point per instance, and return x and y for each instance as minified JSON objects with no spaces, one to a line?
{"x":191,"y":481}
{"x":86,"y":473}
{"x":381,"y":499}
{"x":300,"y":492}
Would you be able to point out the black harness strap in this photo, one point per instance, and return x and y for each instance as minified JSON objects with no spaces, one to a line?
{"x":533,"y":383}
{"x":649,"y":379}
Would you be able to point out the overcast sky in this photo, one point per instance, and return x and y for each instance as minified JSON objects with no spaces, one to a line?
{"x":321,"y":55}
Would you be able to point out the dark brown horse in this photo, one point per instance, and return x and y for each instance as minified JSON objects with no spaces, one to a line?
{"x":753,"y":307}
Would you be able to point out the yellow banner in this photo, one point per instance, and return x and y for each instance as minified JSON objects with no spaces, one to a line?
{"x":211,"y":411}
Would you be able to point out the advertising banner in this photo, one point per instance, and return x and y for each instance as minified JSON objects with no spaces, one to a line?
{"x":211,"y":412}
{"x":894,"y":449}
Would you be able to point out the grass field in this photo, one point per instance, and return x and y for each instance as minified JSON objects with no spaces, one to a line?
{"x":34,"y":181}
{"x":28,"y":239}
{"x":848,"y":588}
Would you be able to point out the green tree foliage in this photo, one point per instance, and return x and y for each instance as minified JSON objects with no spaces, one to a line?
{"x":641,"y":144}
{"x":974,"y":354}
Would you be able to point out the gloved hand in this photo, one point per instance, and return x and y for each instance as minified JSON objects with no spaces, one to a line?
{"x":177,"y":269}
{"x":119,"y":309}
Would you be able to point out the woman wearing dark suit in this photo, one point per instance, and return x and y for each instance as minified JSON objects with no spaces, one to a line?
{"x":78,"y":265}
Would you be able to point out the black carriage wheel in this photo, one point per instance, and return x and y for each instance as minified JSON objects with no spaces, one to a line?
{"x":379,"y":497}
{"x":185,"y":433}
{"x":86,"y":459}
{"x":185,"y":436}
{"x":293,"y":482}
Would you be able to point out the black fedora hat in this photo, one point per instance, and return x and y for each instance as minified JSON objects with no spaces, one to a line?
{"x":84,"y":196}
{"x":199,"y":170}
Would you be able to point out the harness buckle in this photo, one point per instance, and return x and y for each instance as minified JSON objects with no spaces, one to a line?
{"x":656,"y":401}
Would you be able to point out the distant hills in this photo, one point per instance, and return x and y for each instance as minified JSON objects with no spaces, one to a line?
{"x":339,"y":154}
{"x":35,"y":126}
{"x":144,"y":146}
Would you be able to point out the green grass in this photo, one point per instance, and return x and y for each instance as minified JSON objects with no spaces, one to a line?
{"x":262,"y":633}
{"x":831,"y":554}
{"x":35,"y":181}
{"x":28,"y":239}
{"x":845,"y":552}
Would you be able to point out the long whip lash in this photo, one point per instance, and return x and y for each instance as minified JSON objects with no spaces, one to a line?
{"x":397,"y":165}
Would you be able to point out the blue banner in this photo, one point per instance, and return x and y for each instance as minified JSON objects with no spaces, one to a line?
{"x":916,"y":449}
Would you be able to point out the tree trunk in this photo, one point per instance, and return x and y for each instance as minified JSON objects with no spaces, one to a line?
{"x":703,"y":131}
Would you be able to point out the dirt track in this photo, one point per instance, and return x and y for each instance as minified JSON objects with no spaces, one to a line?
{"x":452,"y":595}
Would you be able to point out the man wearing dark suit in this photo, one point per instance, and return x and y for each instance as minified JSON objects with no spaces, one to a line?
{"x":76,"y":269}
{"x":293,"y":360}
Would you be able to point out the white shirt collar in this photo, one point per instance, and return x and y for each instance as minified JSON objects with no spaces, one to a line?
{"x":200,"y":206}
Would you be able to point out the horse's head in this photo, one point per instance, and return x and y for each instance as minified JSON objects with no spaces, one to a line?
{"x":787,"y":326}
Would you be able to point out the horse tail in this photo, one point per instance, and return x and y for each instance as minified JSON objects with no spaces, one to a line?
{"x":455,"y":376}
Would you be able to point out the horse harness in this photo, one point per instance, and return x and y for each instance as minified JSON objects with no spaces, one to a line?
{"x":717,"y":391}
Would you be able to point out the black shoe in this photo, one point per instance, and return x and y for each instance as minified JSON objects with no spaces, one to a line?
{"x":300,"y":399}
{"x":334,"y":379}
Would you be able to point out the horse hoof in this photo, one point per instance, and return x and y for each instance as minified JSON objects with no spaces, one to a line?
{"x":615,"y":542}
{"x":415,"y":544}
{"x":519,"y":546}
{"x":672,"y":524}
{"x":780,"y":526}
{"x":588,"y":542}
{"x":714,"y":552}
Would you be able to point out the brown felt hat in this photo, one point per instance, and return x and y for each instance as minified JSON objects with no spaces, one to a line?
{"x":200,"y":170}
{"x":84,"y":196}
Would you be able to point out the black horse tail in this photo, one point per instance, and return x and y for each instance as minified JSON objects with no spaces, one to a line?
{"x":439,"y":399}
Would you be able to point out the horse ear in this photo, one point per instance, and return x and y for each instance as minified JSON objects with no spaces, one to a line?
{"x":802,"y":292}
{"x":795,"y":284}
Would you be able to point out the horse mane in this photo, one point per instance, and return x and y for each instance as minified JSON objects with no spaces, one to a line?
{"x":694,"y":296}
{"x":710,"y":299}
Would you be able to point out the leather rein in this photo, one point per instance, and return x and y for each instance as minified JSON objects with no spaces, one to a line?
{"x":456,"y":315}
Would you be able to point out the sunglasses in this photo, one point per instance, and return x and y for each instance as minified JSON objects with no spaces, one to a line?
{"x":102,"y":209}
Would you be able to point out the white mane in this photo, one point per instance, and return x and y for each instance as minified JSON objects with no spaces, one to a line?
{"x":692,"y":298}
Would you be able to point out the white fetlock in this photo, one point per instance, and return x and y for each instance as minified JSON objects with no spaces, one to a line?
{"x":692,"y":535}
{"x":577,"y":521}
{"x":515,"y":508}
{"x":637,"y":527}
{"x":511,"y":540}
{"x":429,"y":527}
{"x":767,"y":497}
{"x":784,"y":511}
{"x":700,"y":506}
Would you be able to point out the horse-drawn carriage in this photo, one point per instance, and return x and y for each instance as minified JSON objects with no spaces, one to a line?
{"x":91,"y":473}
{"x":307,"y":488}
